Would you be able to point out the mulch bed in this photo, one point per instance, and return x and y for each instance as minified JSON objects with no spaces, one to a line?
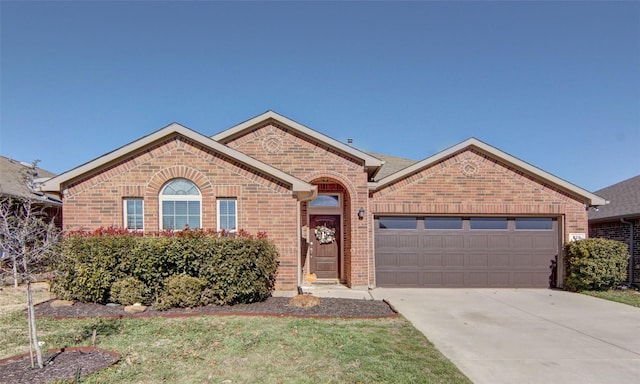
{"x":273,"y":306}
{"x":64,"y":364}
{"x":59,"y":364}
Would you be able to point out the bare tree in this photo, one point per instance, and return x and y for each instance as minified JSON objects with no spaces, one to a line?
{"x":29,"y":235}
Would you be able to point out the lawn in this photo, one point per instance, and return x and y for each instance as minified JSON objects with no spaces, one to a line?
{"x":239,"y":349}
{"x":625,"y":296}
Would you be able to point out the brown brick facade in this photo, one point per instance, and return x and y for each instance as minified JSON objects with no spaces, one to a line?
{"x":331,"y":171}
{"x":472,"y":183}
{"x":466,"y":183}
{"x":263,"y":203}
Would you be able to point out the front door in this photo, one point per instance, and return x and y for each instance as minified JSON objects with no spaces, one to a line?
{"x":325,"y":248}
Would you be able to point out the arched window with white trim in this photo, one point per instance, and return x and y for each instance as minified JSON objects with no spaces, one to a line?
{"x":180,"y":205}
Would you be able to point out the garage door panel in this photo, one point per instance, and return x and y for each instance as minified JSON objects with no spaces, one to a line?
{"x":500,"y":260}
{"x":465,"y":258}
{"x":476,"y":260}
{"x":453,"y":279}
{"x":433,"y":260}
{"x":453,"y":260}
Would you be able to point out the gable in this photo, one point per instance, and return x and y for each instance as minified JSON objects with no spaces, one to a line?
{"x":173,"y":132}
{"x":472,"y":169}
{"x":270,"y":135}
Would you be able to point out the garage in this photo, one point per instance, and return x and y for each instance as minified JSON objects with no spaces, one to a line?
{"x":456,"y":252}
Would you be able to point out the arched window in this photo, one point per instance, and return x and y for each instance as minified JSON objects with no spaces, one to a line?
{"x":180,"y":205}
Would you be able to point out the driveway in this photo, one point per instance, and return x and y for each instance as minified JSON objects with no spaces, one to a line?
{"x":526,"y":335}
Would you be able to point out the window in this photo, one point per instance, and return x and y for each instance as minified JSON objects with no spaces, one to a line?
{"x":534,"y":223}
{"x":180,"y":205}
{"x":488,"y":223}
{"x":133,"y":214}
{"x":398,"y":222}
{"x":326,"y":201}
{"x":443,"y":223}
{"x":227,"y":215}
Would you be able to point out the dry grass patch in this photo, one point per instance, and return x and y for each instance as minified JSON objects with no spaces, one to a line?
{"x":14,"y":299}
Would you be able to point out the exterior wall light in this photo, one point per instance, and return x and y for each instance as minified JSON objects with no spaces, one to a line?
{"x":361,"y":213}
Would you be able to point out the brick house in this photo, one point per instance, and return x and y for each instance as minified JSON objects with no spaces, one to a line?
{"x":620,"y":220}
{"x":469,"y":216}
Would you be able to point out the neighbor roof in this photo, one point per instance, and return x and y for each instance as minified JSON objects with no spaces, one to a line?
{"x":297,"y":185}
{"x":590,"y":198}
{"x":13,"y":183}
{"x":624,"y":201}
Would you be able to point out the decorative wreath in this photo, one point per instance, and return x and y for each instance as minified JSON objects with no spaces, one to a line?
{"x":325,"y":235}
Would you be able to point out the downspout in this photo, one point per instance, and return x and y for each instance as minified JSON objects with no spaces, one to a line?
{"x":631,"y":234}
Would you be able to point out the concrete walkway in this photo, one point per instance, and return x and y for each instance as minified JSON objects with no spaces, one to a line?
{"x":526,"y":335}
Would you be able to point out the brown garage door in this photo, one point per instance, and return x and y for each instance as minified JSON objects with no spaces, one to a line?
{"x":464,"y":252}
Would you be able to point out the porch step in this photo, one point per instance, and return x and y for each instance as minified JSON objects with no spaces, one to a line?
{"x":326,"y":282}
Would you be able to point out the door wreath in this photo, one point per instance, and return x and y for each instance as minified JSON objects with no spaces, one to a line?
{"x":325,"y":235}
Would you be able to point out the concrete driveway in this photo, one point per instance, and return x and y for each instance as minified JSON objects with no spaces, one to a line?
{"x":526,"y":335}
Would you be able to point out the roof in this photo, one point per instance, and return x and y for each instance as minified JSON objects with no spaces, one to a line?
{"x":392,"y":164}
{"x":370,"y":162}
{"x":589,"y":198}
{"x":13,"y":183}
{"x":101,"y":162}
{"x":624,"y":201}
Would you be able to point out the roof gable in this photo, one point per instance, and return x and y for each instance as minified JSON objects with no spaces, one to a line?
{"x":590,"y":198}
{"x":624,"y":201}
{"x":55,"y":183}
{"x":372,"y":163}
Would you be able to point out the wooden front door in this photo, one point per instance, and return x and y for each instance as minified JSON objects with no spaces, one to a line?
{"x":325,"y":248}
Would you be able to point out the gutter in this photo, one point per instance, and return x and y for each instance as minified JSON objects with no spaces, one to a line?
{"x":631,"y":254}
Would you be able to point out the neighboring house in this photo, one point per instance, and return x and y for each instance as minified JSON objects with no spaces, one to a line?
{"x":469,"y":216}
{"x":13,"y":184}
{"x":620,"y":219}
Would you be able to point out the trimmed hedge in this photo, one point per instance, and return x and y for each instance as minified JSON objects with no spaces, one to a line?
{"x":237,"y":269}
{"x":595,"y":264}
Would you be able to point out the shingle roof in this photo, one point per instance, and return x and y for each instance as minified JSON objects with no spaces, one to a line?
{"x":392,"y":164}
{"x":12,"y":181}
{"x":624,"y":201}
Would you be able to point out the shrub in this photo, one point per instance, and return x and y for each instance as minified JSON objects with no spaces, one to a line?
{"x":595,"y":264}
{"x":240,"y":270}
{"x":183,"y":291}
{"x":90,"y":263}
{"x":237,"y":269}
{"x":130,"y":290}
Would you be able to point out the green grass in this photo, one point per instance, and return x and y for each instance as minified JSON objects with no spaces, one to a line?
{"x":626,"y":296}
{"x":239,"y":349}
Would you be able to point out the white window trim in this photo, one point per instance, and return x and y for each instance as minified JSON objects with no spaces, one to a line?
{"x":218,"y":200}
{"x":162,"y":198}
{"x":125,"y":213}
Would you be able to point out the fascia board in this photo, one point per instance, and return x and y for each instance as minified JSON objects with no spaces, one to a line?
{"x":593,"y":200}
{"x":54,"y":183}
{"x":370,"y":161}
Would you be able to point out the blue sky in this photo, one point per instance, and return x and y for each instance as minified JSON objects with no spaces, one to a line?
{"x":556,"y":84}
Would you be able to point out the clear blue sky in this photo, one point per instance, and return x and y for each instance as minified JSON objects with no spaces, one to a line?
{"x":556,"y":84}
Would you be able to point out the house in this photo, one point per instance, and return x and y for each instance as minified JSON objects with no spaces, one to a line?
{"x":469,"y":216}
{"x":620,"y":220}
{"x":13,"y":185}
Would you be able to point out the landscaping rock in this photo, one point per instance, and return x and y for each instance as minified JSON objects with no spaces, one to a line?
{"x":304,"y":301}
{"x":61,"y":303}
{"x":135,"y":308}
